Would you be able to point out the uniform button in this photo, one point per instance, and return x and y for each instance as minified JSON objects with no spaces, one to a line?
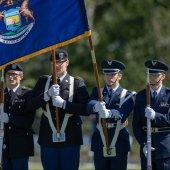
{"x":19,"y":106}
{"x":9,"y":127}
{"x":9,"y":107}
{"x":27,"y":133}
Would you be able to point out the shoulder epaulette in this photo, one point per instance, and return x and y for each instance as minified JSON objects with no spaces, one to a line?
{"x":78,"y":78}
{"x":129,"y":91}
{"x":25,"y":88}
{"x":44,"y":76}
{"x":168,"y":88}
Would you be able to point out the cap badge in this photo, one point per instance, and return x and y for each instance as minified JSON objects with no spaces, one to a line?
{"x":14,"y":66}
{"x":154,"y":63}
{"x":61,"y":55}
{"x":109,"y":62}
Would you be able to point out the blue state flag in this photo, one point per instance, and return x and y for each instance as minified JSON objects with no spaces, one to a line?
{"x":32,"y":27}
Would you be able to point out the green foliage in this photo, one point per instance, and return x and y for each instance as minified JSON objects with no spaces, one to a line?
{"x":130,"y":31}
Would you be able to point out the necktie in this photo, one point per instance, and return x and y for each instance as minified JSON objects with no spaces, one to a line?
{"x":110,"y":94}
{"x":11,"y":96}
{"x":10,"y":93}
{"x":58,"y":81}
{"x":154,"y":95}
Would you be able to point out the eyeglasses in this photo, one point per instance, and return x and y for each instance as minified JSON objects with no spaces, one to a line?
{"x":13,"y":74}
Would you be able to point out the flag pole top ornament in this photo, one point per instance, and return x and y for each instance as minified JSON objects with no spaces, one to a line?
{"x":16,"y":20}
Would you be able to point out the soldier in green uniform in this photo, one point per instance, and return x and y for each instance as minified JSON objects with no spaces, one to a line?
{"x":18,"y":135}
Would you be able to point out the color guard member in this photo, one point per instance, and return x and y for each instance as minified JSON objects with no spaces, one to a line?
{"x":115,"y":108}
{"x":159,"y":114}
{"x":18,"y":133}
{"x":60,"y":151}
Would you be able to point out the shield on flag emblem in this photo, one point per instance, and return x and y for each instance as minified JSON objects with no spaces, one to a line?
{"x":12,"y":19}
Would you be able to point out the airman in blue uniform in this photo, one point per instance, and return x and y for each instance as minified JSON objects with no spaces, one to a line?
{"x":60,"y":150}
{"x":18,"y":134}
{"x":115,"y":108}
{"x":159,"y":114}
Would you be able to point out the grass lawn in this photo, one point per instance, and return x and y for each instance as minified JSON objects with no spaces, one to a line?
{"x":38,"y":166}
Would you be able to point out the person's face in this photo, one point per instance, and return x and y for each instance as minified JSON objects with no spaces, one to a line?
{"x":113,"y":79}
{"x":61,"y":67}
{"x":13,"y":78}
{"x":156,"y":79}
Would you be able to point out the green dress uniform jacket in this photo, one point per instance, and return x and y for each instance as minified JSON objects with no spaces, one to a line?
{"x":18,"y":136}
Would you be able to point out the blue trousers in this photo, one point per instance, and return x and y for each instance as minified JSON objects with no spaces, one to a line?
{"x":61,"y":158}
{"x":157,"y":164}
{"x":15,"y":164}
{"x":110,"y":163}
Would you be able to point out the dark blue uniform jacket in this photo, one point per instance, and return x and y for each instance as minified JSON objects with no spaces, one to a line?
{"x":160,"y":140}
{"x":123,"y":142}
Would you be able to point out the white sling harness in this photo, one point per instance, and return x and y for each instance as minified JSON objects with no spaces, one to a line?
{"x":119,"y":126}
{"x":47,"y":113}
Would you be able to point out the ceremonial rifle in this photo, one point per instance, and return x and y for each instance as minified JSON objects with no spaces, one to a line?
{"x":149,"y":162}
{"x":103,"y":121}
{"x":1,"y":111}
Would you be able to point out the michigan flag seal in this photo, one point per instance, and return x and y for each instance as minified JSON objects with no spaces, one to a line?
{"x":16,"y":20}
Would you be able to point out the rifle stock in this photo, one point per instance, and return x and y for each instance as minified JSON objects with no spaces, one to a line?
{"x":149,"y":162}
{"x":1,"y":124}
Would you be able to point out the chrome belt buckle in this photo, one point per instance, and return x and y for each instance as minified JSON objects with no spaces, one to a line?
{"x":58,"y":137}
{"x":155,"y":130}
{"x":109,"y":152}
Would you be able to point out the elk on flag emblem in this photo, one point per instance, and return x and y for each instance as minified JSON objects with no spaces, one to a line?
{"x":29,"y":28}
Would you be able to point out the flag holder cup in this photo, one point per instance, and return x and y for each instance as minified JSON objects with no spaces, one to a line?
{"x":58,"y":137}
{"x":109,"y":152}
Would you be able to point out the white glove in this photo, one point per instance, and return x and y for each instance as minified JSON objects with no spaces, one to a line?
{"x":105,"y":113}
{"x":58,"y":102}
{"x":99,"y":106}
{"x":145,"y":151}
{"x":149,"y":113}
{"x":54,"y":90}
{"x":115,"y":114}
{"x":4,"y":118}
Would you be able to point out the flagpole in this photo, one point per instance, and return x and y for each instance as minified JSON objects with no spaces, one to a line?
{"x":103,"y":121}
{"x":55,"y":82}
{"x":149,"y":164}
{"x":1,"y":124}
